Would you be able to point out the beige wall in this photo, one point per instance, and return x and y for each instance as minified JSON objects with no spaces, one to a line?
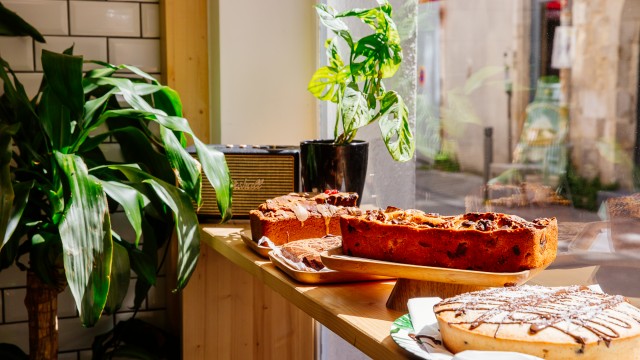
{"x":476,"y":36}
{"x":261,"y":81}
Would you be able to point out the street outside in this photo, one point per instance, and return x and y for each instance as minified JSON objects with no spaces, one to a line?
{"x":451,"y":193}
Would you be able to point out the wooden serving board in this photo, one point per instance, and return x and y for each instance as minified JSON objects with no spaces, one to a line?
{"x":423,"y":281}
{"x":334,"y":259}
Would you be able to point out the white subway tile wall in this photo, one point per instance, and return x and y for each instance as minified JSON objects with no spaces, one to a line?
{"x":18,"y":51}
{"x":144,"y":54}
{"x":112,"y":152}
{"x":104,"y":18}
{"x":16,"y":334}
{"x":50,"y":17}
{"x":150,"y":20}
{"x":31,"y":82}
{"x":12,"y":277}
{"x":66,"y":304}
{"x":128,"y":301}
{"x":157,"y":318}
{"x":119,"y":32}
{"x":126,"y":231}
{"x":14,"y":300}
{"x":91,"y":48}
{"x":68,"y":356}
{"x":156,"y":300}
{"x":73,"y":336}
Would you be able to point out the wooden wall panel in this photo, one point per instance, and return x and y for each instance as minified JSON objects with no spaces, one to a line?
{"x":229,"y":314}
{"x":186,"y":60}
{"x":184,"y":36}
{"x":224,"y":312}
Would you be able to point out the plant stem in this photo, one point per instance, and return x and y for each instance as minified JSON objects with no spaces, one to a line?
{"x":335,"y":129}
{"x":42,"y":306}
{"x":352,"y":136}
{"x":379,"y":80}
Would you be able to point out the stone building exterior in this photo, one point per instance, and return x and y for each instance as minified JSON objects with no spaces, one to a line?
{"x":601,"y":86}
{"x":604,"y":88}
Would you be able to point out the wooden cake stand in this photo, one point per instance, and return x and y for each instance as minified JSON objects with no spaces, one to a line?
{"x":424,"y":281}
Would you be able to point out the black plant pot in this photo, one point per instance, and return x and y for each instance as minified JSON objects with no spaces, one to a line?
{"x":325,"y":165}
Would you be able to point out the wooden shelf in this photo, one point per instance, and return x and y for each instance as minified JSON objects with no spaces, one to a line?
{"x":354,"y":311}
{"x":357,"y":312}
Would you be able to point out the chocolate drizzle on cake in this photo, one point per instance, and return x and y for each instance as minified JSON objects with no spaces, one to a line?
{"x":571,"y":310}
{"x":419,"y":338}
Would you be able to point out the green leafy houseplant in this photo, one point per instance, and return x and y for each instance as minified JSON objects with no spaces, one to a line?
{"x":58,"y":190}
{"x":356,"y":85}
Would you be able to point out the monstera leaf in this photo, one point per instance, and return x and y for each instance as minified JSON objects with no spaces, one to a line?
{"x":356,"y":87}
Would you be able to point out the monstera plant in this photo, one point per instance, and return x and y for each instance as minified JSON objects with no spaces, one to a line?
{"x":353,"y":80}
{"x":355,"y":83}
{"x":58,"y":190}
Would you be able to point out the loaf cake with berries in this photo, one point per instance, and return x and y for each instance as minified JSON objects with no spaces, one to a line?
{"x":492,"y":242}
{"x":302,"y":216}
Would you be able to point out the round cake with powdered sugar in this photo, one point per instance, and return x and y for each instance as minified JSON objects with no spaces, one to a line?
{"x":552,"y":323}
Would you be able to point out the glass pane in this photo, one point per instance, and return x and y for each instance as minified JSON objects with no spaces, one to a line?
{"x":530,"y":107}
{"x":389,"y":183}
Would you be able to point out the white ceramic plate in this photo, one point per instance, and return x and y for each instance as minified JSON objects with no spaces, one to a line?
{"x":403,"y":334}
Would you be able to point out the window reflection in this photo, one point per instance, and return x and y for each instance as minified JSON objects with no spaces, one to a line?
{"x":555,"y":81}
{"x":555,"y":86}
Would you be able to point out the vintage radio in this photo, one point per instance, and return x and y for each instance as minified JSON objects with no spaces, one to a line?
{"x":258,"y":172}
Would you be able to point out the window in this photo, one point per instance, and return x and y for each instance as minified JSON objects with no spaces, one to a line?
{"x":527,"y":107}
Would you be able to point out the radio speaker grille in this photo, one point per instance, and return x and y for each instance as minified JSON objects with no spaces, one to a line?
{"x":256,"y":177}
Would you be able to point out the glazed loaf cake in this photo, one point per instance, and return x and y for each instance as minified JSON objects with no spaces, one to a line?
{"x":301,"y":216}
{"x":307,"y":251}
{"x":492,"y":242}
{"x":551,"y":323}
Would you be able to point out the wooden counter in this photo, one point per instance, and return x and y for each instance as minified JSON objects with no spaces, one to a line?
{"x":239,"y":305}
